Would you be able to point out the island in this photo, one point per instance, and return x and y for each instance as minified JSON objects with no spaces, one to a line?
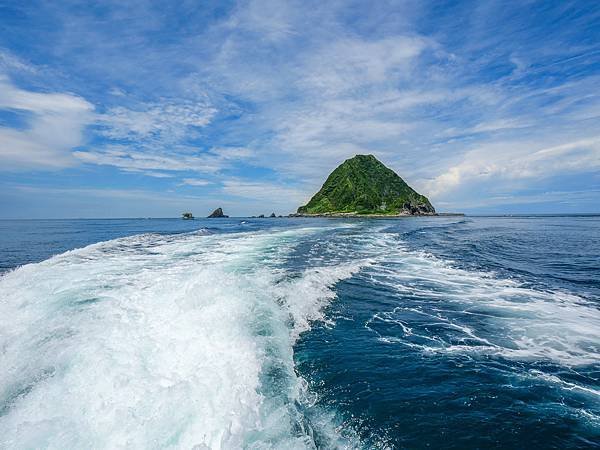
{"x":217,"y":213}
{"x":187,"y":216}
{"x":364,"y":186}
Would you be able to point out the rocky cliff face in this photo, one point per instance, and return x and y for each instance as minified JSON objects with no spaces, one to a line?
{"x":363,"y":185}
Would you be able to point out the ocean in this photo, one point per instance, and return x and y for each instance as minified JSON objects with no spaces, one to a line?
{"x":420,"y":332}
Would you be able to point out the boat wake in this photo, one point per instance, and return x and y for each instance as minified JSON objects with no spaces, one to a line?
{"x":187,"y":340}
{"x":448,"y":309}
{"x":163,"y":341}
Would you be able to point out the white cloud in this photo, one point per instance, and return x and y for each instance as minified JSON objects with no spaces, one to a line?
{"x":149,"y":173}
{"x":518,"y":161}
{"x":11,"y":62}
{"x":156,"y":174}
{"x":270,"y":19}
{"x":159,"y":134}
{"x":132,"y":158}
{"x":167,"y":121}
{"x":12,"y":97}
{"x":498,"y":125}
{"x":233,"y":153}
{"x":54,"y":126}
{"x":195,"y":182}
{"x":350,"y":64}
{"x":117,"y":92}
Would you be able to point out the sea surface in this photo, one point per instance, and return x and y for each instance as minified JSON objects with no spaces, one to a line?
{"x":440,"y":332}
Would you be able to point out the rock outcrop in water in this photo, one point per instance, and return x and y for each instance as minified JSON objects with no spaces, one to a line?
{"x":217,"y":213}
{"x":364,"y":186}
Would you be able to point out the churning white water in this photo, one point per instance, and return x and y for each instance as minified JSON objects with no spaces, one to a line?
{"x":150,"y":341}
{"x":466,"y":311}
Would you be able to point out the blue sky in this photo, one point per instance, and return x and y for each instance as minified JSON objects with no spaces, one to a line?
{"x":146,"y":109}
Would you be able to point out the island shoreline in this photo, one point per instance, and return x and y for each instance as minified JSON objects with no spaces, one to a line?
{"x":372,"y":216}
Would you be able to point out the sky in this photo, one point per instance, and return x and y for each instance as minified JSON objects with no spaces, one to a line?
{"x":139,"y":108}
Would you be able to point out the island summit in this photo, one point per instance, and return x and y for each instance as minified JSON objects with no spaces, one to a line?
{"x":363,"y":186}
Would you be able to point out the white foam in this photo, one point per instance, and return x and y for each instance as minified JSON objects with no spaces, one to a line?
{"x":569,"y":386}
{"x":527,"y":323}
{"x":156,"y":341}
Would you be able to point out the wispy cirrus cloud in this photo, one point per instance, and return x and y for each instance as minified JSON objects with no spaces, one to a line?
{"x":175,"y":159}
{"x":350,"y":64}
{"x":126,"y":158}
{"x":11,"y":62}
{"x":195,"y":182}
{"x":53,"y":126}
{"x":166,"y":122}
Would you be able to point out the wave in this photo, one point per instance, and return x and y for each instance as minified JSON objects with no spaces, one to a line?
{"x":446,"y":309}
{"x":164,"y":341}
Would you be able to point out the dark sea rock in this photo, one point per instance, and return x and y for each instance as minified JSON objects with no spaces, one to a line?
{"x":217,"y":213}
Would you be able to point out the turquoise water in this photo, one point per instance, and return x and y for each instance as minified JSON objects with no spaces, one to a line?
{"x":455,"y":332}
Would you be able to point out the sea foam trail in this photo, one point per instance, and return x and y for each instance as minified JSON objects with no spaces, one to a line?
{"x":162,"y":341}
{"x":447,"y":309}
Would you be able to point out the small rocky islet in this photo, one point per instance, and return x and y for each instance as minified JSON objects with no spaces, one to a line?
{"x":217,"y":213}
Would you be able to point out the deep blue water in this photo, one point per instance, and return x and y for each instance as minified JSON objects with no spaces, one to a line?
{"x":445,"y":332}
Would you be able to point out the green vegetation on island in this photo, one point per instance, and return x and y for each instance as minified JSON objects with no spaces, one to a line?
{"x":362,"y":185}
